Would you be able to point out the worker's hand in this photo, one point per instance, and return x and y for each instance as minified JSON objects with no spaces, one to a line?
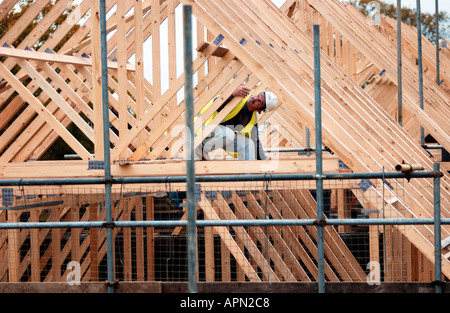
{"x":241,"y":92}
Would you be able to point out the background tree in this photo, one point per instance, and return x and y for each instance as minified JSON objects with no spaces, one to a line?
{"x":409,"y":16}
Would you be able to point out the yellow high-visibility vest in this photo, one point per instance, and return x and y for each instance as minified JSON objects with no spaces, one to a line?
{"x":246,"y":131}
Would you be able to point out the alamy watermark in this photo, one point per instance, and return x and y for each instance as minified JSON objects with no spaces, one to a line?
{"x":373,"y":9}
{"x":374,"y":276}
{"x":74,"y":275}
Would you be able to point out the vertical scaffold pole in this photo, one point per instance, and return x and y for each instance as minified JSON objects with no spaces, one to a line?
{"x":106,"y":148}
{"x":438,"y":76}
{"x":420,"y":63}
{"x":191,"y":226}
{"x":319,"y":173}
{"x":437,"y":230}
{"x":399,"y":63}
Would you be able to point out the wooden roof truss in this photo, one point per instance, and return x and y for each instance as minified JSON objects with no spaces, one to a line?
{"x":43,"y":91}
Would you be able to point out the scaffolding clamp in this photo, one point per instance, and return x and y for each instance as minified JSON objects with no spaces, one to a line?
{"x":319,"y":176}
{"x":441,"y":283}
{"x":109,"y":225}
{"x":112,"y":283}
{"x":322,"y":222}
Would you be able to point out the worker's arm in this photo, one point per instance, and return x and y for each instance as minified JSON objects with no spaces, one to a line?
{"x":240,"y":92}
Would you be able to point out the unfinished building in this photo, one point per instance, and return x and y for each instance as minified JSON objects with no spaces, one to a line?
{"x":51,"y":93}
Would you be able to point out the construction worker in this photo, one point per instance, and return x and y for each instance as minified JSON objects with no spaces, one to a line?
{"x":238,"y":132}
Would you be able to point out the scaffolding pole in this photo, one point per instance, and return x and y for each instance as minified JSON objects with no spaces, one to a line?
{"x":191,"y":226}
{"x":319,"y":169}
{"x":106,"y":147}
{"x":420,"y":64}
{"x":399,"y":63}
{"x":436,"y":17}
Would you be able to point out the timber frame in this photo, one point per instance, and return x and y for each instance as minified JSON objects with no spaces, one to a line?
{"x":43,"y":92}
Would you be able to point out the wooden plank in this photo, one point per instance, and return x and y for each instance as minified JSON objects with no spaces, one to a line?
{"x":18,"y":54}
{"x":79,"y":42}
{"x":172,"y":46}
{"x":332,"y":252}
{"x":34,"y":249}
{"x":63,"y":105}
{"x":276,"y":252}
{"x":39,"y":128}
{"x":68,"y":89}
{"x":41,"y":110}
{"x":54,"y":251}
{"x":249,"y":244}
{"x":231,"y":244}
{"x":139,"y":57}
{"x":374,"y":230}
{"x":139,"y":233}
{"x":126,"y":205}
{"x":13,"y":249}
{"x":338,"y":252}
{"x":343,"y":210}
{"x":122,"y":75}
{"x":225,"y":256}
{"x":156,"y":53}
{"x":150,"y":231}
{"x":285,"y":240}
{"x":97,"y":80}
{"x":20,"y":25}
{"x":75,"y":252}
{"x":34,"y":139}
{"x":93,"y":241}
{"x":5,"y":7}
{"x":219,"y":51}
{"x":209,"y":254}
{"x":174,"y":168}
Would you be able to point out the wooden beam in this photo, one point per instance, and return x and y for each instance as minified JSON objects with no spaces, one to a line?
{"x":51,"y":58}
{"x":41,"y":110}
{"x":42,"y":169}
{"x":97,"y":80}
{"x":229,"y":241}
{"x":285,"y":242}
{"x":5,"y":7}
{"x":256,"y":234}
{"x":56,"y":97}
{"x":122,"y":75}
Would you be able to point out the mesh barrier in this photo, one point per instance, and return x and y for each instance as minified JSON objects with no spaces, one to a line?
{"x":225,"y":253}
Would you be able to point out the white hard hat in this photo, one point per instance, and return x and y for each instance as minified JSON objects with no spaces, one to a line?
{"x":271,"y":101}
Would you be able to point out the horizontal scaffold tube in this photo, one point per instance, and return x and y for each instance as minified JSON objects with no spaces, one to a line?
{"x":217,"y":178}
{"x":231,"y":223}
